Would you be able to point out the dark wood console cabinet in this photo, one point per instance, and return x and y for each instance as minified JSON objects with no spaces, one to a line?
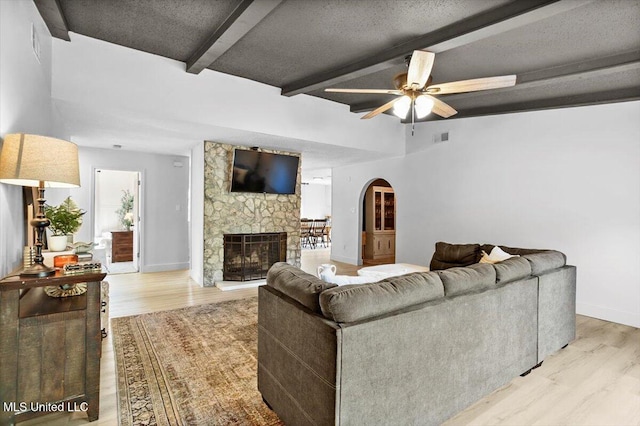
{"x":49,"y":347}
{"x":121,"y":246}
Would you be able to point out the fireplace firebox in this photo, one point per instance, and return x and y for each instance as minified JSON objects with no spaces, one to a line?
{"x":249,"y":256}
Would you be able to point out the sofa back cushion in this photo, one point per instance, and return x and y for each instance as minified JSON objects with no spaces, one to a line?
{"x":512,"y":269}
{"x":545,"y":261}
{"x":454,"y":255}
{"x":460,"y":280}
{"x":297,"y":284}
{"x":351,"y":303}
{"x":540,"y":260}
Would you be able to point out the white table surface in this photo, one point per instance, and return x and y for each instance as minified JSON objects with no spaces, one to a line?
{"x":390,"y":270}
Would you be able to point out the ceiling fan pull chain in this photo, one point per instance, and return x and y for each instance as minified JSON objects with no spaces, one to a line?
{"x":413,"y":115}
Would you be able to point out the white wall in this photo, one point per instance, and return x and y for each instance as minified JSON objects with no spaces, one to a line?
{"x":315,"y":201}
{"x":164,"y":225}
{"x":107,"y":77}
{"x":196,"y":214}
{"x":25,"y":106}
{"x":109,"y":189}
{"x":566,"y":179}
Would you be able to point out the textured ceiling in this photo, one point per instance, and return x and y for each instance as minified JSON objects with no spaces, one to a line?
{"x":304,"y":37}
{"x":583,"y":50}
{"x":170,"y":28}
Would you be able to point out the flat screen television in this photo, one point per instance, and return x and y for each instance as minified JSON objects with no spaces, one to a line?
{"x":264,"y":172}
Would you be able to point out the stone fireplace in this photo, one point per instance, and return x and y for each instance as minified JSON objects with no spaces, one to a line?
{"x":249,"y":256}
{"x":228,"y":212}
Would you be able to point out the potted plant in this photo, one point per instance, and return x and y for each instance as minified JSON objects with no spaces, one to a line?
{"x":125,"y":212}
{"x":65,"y":219}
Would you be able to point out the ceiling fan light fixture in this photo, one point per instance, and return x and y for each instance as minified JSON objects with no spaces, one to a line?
{"x":402,"y":106}
{"x":423,"y":105}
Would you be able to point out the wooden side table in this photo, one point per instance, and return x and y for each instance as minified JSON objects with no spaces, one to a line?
{"x":122,"y":246}
{"x":49,"y":348}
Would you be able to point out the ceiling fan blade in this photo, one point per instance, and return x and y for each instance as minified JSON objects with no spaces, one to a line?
{"x":373,"y":91}
{"x":472,"y":85}
{"x":380,"y":109}
{"x":440,"y":108}
{"x":419,"y":69}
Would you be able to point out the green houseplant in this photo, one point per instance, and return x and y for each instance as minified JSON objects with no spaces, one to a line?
{"x":65,"y":219}
{"x":125,"y":212}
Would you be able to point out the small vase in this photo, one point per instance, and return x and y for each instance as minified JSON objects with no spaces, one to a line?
{"x":57,"y":243}
{"x":326,"y":271}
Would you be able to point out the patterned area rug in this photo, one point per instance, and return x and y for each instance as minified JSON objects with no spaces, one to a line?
{"x":190,"y":366}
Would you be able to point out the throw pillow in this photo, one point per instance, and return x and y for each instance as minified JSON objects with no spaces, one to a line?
{"x":451,"y":255}
{"x":496,"y":255}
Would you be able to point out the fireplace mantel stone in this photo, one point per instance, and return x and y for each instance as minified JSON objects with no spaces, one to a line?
{"x":238,"y":213}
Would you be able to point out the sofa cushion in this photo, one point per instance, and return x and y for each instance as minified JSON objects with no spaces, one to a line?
{"x":451,"y":255}
{"x":512,"y":269}
{"x":545,"y":261}
{"x":297,"y":284}
{"x":351,"y":303}
{"x":464,"y":279}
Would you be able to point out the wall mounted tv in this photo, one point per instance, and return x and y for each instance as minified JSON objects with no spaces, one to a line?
{"x":264,"y":172}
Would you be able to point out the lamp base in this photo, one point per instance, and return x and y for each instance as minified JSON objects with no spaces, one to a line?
{"x":37,"y":270}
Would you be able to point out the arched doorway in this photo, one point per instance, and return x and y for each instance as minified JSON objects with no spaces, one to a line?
{"x":378,"y":224}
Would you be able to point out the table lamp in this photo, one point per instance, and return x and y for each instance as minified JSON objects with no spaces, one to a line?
{"x":32,"y":160}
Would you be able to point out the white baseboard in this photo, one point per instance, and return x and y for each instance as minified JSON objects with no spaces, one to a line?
{"x":608,"y":314}
{"x":344,"y":259}
{"x":163,"y":267}
{"x":197,"y":276}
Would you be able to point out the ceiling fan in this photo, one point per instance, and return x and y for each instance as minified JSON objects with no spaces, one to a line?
{"x":415,"y":91}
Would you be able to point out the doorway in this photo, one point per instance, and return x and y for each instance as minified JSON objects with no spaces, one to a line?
{"x":379,"y":224}
{"x":116,"y":228}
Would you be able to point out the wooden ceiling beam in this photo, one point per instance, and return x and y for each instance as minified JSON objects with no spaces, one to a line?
{"x":598,"y":67}
{"x":365,"y":106}
{"x":244,"y":17}
{"x":584,"y":99}
{"x":472,"y":29}
{"x":595,"y":98}
{"x":53,"y":17}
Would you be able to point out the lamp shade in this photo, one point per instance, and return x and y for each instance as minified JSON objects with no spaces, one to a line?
{"x":29,"y":159}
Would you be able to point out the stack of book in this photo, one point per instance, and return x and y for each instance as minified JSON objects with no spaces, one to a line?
{"x":84,"y":257}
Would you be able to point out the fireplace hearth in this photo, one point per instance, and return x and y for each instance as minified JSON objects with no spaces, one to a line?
{"x":249,"y":256}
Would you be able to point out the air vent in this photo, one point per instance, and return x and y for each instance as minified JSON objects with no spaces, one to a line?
{"x":441,"y":137}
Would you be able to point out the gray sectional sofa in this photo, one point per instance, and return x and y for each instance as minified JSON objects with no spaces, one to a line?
{"x":414,"y":349}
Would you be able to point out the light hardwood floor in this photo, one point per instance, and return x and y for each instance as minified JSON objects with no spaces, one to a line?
{"x":594,"y":381}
